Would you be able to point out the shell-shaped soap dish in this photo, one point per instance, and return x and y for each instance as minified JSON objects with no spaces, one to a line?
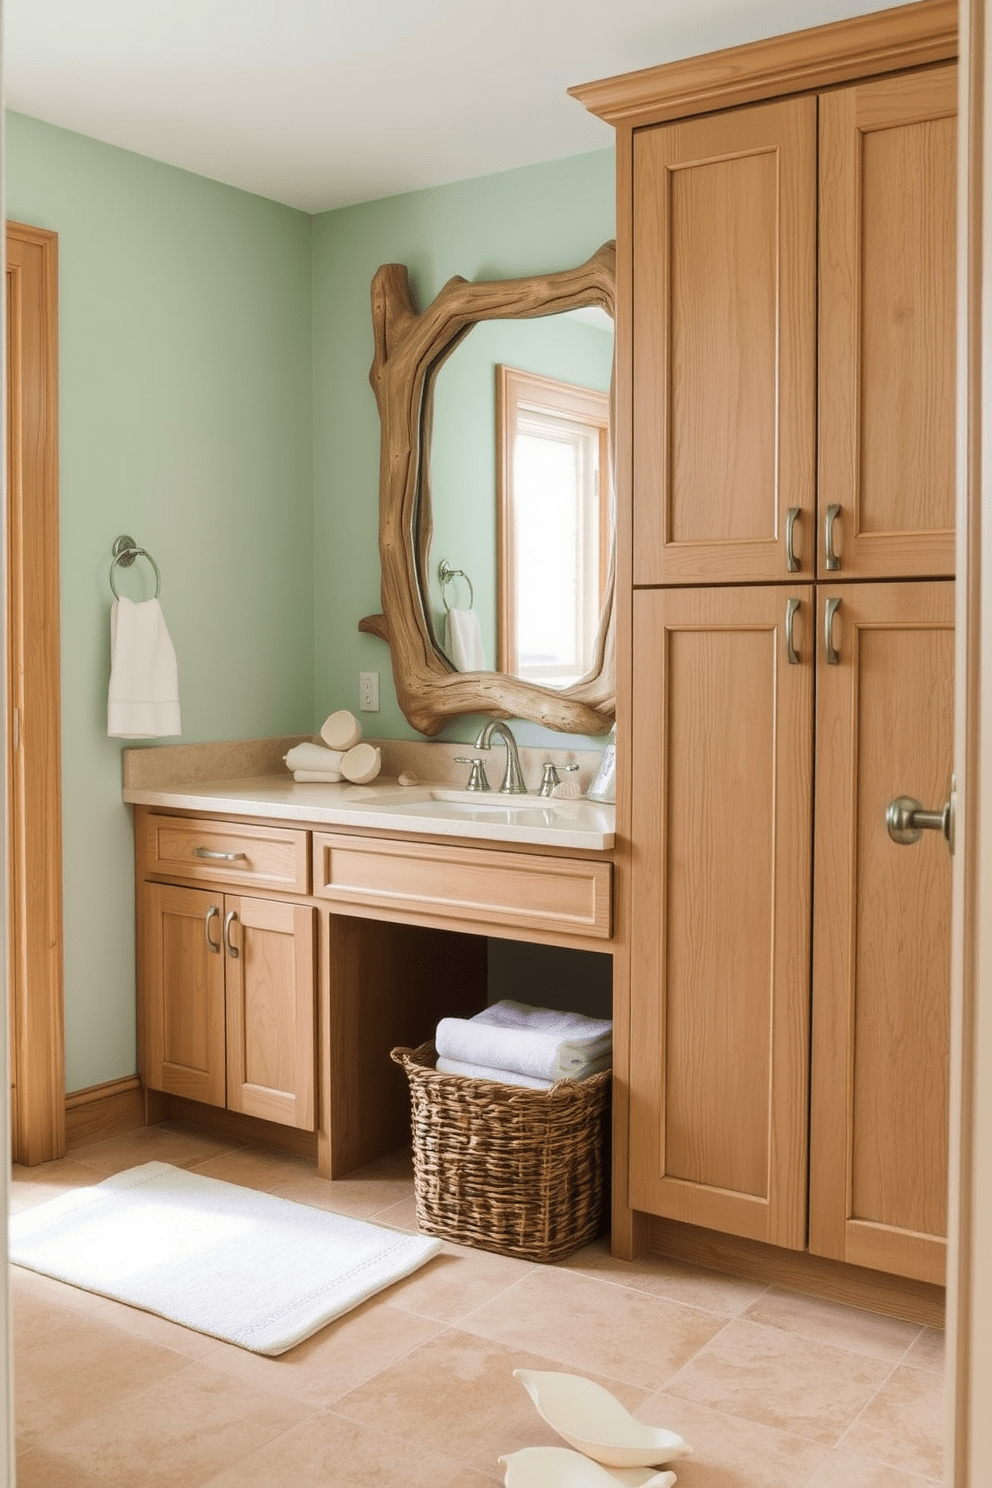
{"x":594,"y":1422}
{"x":559,"y":1467}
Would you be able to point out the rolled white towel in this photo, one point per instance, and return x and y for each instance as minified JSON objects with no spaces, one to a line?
{"x":318,"y":777}
{"x":361,"y":764}
{"x":341,"y":730}
{"x":512,"y":1077}
{"x":540,"y":1042}
{"x":313,"y":757}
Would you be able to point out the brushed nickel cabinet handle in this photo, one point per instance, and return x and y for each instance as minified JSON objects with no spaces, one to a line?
{"x":833,"y":557}
{"x":212,"y":945}
{"x":791,"y":609}
{"x":791,"y":561}
{"x":205,"y":852}
{"x":906,"y":821}
{"x":229,"y":920}
{"x":833,"y":655}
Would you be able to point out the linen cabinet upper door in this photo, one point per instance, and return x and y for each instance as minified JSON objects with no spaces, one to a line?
{"x":724,"y":345}
{"x":887,"y":315}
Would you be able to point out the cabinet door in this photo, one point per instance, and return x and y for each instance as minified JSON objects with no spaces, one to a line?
{"x":182,"y":992}
{"x":881,"y":933}
{"x":722,"y":765}
{"x":724,"y":368}
{"x":271,"y":1048}
{"x":887,"y":322}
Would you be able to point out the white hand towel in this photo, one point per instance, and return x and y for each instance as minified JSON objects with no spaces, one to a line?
{"x":511,"y":1077}
{"x":318,"y":777}
{"x":361,"y":764}
{"x":341,"y":730}
{"x":540,"y":1042}
{"x":463,"y":641}
{"x":313,"y":757}
{"x":143,"y":699}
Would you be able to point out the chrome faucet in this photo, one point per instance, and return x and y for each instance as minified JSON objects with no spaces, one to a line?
{"x":513,"y":780}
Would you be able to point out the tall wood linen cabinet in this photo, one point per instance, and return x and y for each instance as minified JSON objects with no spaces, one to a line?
{"x":785,"y":334}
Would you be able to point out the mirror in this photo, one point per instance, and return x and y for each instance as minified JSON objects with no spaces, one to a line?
{"x":416,"y":407}
{"x":521,"y":502}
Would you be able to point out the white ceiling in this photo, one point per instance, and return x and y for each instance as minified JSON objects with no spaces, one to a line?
{"x":319,"y":103}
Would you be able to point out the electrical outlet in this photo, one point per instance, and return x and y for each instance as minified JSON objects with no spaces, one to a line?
{"x":368,"y":692}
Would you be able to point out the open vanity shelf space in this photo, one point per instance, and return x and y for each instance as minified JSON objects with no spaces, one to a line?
{"x":286,"y":943}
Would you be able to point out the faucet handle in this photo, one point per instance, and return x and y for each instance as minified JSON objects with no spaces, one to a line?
{"x":549,"y":779}
{"x":477,"y":775}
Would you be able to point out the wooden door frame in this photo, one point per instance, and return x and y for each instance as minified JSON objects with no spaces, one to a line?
{"x":33,"y":685}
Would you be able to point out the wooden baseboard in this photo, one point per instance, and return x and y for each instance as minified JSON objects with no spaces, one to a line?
{"x":798,"y":1271}
{"x":101,"y":1111}
{"x":233,"y":1124}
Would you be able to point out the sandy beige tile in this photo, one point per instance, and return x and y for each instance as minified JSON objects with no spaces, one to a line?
{"x":358,"y":1196}
{"x":32,"y":1186}
{"x":254,"y":1167}
{"x":904,"y":1424}
{"x":154,"y":1329}
{"x":83,"y":1368}
{"x":694,"y":1286}
{"x":928,"y":1351}
{"x":595,"y":1326}
{"x":781,"y":1379}
{"x":859,"y":1472}
{"x":845,"y":1327}
{"x":401,"y":1215}
{"x":327,"y":1449}
{"x":456,"y":1394}
{"x":335,"y":1360}
{"x":178,"y":1431}
{"x":150,"y":1144}
{"x":467,"y":1477}
{"x":40,"y":1470}
{"x":730,"y":1452}
{"x":27,"y":1286}
{"x":456,"y":1282}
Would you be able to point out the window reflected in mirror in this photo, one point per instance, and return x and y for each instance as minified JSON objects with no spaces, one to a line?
{"x":554,"y":525}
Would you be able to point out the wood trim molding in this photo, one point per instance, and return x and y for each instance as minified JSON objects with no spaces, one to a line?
{"x":895,"y":1296}
{"x":34,"y":785}
{"x":863,"y":47}
{"x":106,"y":1110}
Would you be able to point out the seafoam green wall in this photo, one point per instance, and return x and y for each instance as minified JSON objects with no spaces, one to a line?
{"x":185,"y":421}
{"x":528,"y":221}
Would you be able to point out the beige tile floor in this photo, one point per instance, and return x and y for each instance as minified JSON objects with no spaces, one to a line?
{"x":415,"y":1387}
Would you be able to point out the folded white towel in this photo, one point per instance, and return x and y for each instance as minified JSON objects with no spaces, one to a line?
{"x":511,"y":1077}
{"x":317,"y":777}
{"x":341,"y":730}
{"x":313,"y":757}
{"x":541,"y":1042}
{"x":361,"y":764}
{"x":463,"y":641}
{"x":143,"y":698}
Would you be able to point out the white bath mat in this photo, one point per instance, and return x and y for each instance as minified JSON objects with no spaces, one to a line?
{"x":246,"y":1267}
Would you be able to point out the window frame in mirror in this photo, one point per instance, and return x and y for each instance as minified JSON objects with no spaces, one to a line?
{"x":409,"y":349}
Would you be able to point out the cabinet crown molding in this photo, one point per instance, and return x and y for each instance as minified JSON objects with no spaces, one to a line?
{"x":801,"y":61}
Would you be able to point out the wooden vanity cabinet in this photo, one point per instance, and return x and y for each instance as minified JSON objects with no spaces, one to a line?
{"x":228,"y":997}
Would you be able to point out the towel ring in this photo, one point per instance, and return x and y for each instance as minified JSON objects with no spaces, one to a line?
{"x":125,"y":551}
{"x":446,"y":573}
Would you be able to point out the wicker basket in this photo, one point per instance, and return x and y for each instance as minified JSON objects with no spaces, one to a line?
{"x":521,"y":1172}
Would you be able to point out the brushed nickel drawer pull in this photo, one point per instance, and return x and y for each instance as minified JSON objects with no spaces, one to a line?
{"x":212,"y":945}
{"x":229,"y":920}
{"x":791,"y":561}
{"x":906,"y":821}
{"x":205,"y":852}
{"x":833,"y":655}
{"x":833,"y":557}
{"x":791,"y":609}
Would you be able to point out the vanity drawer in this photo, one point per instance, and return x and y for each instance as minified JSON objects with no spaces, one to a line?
{"x":202,"y":850}
{"x":571,"y":896}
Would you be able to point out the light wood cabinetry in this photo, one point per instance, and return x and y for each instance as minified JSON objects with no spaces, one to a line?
{"x":881,"y":937}
{"x":785,"y":266}
{"x":722,"y":751}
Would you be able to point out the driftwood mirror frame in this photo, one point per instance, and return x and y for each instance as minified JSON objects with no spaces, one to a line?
{"x":409,"y":349}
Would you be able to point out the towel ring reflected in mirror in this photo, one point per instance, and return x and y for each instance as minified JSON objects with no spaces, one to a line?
{"x":125,"y":550}
{"x":410,"y":348}
{"x":446,"y":574}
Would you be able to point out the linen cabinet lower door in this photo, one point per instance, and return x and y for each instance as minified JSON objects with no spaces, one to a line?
{"x":722,"y":767}
{"x":881,"y":932}
{"x":182,"y":993}
{"x":271,"y":991}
